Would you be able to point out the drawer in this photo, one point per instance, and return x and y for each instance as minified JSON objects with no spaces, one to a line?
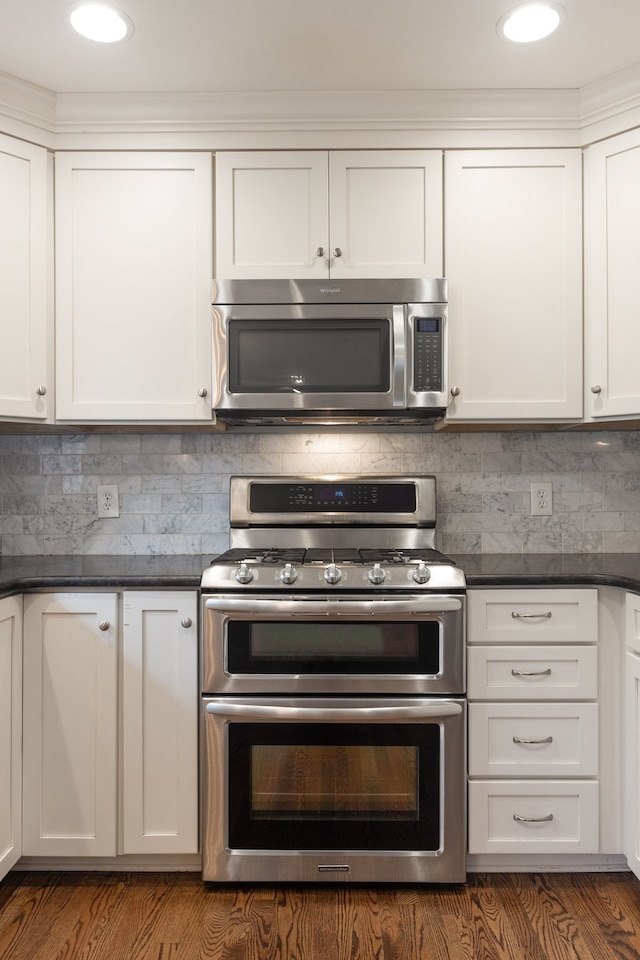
{"x":533,"y":739}
{"x":633,"y":621}
{"x":547,"y":672}
{"x":532,"y":616}
{"x":533,"y":817}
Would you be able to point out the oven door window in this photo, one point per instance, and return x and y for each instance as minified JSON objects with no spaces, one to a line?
{"x":348,"y":786}
{"x":306,"y":647}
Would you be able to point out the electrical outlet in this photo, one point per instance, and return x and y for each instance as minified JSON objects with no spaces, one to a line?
{"x":108,"y":500}
{"x":541,"y":500}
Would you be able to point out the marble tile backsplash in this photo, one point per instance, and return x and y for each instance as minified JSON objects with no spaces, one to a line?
{"x":174,"y":487}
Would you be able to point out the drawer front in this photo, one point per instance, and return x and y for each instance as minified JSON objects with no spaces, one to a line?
{"x":533,"y":739}
{"x":633,"y":621}
{"x":533,"y":817}
{"x":532,"y":616}
{"x":532,"y":673}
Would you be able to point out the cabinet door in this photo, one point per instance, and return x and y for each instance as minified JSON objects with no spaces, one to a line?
{"x":133,"y":286}
{"x":24,"y":327}
{"x":513,"y":258}
{"x":612,"y":241}
{"x":70,"y":725}
{"x":272,"y":215}
{"x":631,"y":762}
{"x":385,"y":213}
{"x":160,"y":722}
{"x":10,"y":732}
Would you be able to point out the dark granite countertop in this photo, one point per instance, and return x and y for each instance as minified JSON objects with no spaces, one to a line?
{"x":18,"y":574}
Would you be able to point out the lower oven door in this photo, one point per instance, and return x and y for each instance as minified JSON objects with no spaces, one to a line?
{"x":334,"y":789}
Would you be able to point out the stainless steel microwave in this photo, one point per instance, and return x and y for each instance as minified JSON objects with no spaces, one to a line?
{"x":348,"y":351}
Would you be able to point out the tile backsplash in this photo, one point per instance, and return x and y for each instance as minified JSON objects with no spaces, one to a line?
{"x":174,"y":487}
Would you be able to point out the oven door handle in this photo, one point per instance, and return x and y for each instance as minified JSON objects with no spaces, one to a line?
{"x":426,"y":709}
{"x":413,"y":606}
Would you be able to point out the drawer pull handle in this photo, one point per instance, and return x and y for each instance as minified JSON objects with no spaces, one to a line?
{"x":524,"y":740}
{"x":531,"y":673}
{"x":531,"y":616}
{"x":520,"y":819}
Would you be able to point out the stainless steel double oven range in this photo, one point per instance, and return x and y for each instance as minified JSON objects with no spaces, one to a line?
{"x":333,"y":685}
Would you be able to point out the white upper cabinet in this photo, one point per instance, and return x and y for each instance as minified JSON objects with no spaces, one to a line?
{"x":25,"y":383}
{"x":612,"y":242}
{"x":133,"y":279}
{"x":294,"y":215}
{"x":513,"y":259}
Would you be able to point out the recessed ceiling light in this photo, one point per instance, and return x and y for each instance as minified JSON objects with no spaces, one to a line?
{"x":531,"y":21}
{"x":99,"y":22}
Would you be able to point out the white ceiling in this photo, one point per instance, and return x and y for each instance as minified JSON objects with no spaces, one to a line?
{"x":208,"y":46}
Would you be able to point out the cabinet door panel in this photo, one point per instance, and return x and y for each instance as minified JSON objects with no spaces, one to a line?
{"x":632,"y":762}
{"x":613,"y":282}
{"x":160,"y":722}
{"x":513,"y":257}
{"x":24,"y":229}
{"x":10,"y":732}
{"x":133,"y":266}
{"x":70,"y":725}
{"x":386,"y":213}
{"x":271,"y":215}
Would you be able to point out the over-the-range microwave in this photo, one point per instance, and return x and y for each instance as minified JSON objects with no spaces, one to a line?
{"x":347,"y":351}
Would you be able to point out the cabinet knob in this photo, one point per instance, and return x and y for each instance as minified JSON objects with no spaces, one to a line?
{"x":319,"y":251}
{"x":203,"y":392}
{"x":104,"y":625}
{"x":337,"y":252}
{"x":186,"y":622}
{"x":596,"y":389}
{"x":41,"y":391}
{"x":455,"y":391}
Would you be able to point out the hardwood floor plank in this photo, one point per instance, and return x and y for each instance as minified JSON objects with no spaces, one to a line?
{"x":174,"y":916}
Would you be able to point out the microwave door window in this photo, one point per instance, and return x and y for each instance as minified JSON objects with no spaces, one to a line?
{"x":309,"y":357}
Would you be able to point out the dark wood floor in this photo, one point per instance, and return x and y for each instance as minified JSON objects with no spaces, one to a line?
{"x":174,"y":916}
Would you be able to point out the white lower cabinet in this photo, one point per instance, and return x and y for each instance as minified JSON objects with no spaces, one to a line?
{"x":160,"y":722}
{"x":533,"y":721}
{"x":631,"y":748}
{"x":110,"y":769}
{"x":70,"y":724}
{"x":10,"y":732}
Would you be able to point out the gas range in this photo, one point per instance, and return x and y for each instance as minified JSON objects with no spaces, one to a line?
{"x":333,"y":533}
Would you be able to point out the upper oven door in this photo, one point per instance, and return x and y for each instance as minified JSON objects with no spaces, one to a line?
{"x":304,"y":357}
{"x":410,"y":645}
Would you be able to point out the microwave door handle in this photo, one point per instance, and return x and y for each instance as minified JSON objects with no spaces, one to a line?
{"x":399,"y":354}
{"x":425,"y":709}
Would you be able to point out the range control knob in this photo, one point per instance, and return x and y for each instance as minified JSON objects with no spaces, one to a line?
{"x":332,"y":574}
{"x":288,"y":574}
{"x":376,"y":574}
{"x":421,"y":573}
{"x":244,"y":574}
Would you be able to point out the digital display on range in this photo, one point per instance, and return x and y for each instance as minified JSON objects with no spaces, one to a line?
{"x":331,"y":497}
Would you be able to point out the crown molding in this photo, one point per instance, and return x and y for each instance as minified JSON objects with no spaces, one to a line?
{"x":439,"y":118}
{"x":27,"y":111}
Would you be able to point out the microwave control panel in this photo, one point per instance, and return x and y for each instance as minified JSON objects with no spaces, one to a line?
{"x":427,"y":354}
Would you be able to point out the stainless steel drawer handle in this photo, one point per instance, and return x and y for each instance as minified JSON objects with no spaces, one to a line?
{"x":520,"y":819}
{"x":337,"y":252}
{"x":41,"y":391}
{"x":524,"y":740}
{"x":186,"y":622}
{"x":319,"y":251}
{"x":531,"y":616}
{"x":104,"y":625}
{"x":531,"y":673}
